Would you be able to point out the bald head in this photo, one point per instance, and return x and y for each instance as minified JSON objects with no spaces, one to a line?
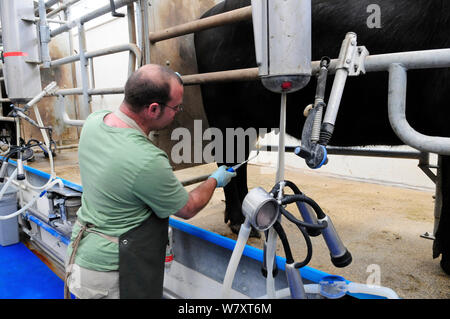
{"x":150,"y":83}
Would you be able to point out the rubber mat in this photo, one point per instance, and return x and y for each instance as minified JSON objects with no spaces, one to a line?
{"x":24,"y":276}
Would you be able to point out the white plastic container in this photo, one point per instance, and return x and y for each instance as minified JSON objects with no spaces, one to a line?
{"x":9,"y":228}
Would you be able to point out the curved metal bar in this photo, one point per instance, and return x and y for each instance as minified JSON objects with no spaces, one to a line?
{"x":397,"y":116}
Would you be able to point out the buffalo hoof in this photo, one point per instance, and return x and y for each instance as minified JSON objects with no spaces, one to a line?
{"x":445,"y":264}
{"x":235,"y":228}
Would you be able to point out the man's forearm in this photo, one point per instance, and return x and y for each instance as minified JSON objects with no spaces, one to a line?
{"x":198,"y":198}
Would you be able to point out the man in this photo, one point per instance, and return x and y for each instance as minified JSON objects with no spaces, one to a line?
{"x":129,"y":191}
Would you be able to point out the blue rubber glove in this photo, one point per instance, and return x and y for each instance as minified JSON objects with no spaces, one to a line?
{"x":222,"y":176}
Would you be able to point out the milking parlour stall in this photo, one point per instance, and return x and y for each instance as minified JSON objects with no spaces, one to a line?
{"x":333,"y":115}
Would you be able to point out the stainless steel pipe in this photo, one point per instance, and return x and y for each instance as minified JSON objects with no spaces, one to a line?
{"x":111,"y":50}
{"x":202,"y":24}
{"x":373,"y":63}
{"x":397,"y":116}
{"x":90,"y":16}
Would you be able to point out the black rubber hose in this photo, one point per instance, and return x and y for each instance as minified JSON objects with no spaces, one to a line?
{"x":289,"y":184}
{"x":302,"y":197}
{"x":294,"y":187}
{"x":309,"y":249}
{"x":287,"y":249}
{"x":294,"y":220}
{"x":288,"y":199}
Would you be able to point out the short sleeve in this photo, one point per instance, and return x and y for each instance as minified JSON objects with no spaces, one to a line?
{"x":158,"y":187}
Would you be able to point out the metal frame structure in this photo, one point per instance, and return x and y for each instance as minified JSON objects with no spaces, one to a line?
{"x":396,"y":64}
{"x":393,"y":63}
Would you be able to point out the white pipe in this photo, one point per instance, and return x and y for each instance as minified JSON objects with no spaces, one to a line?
{"x":61,"y":113}
{"x":244,"y":233}
{"x":41,"y":124}
{"x":335,"y":96}
{"x":50,"y":179}
{"x":67,"y":120}
{"x":49,"y":89}
{"x":270,"y":256}
{"x":272,"y":240}
{"x":49,"y":152}
{"x":20,"y":211}
{"x":397,"y":116}
{"x":31,"y":202}
{"x":8,"y":182}
{"x":281,"y":139}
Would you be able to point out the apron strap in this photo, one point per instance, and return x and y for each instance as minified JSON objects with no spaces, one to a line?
{"x":129,"y":121}
{"x":75,"y":244}
{"x":112,"y":239}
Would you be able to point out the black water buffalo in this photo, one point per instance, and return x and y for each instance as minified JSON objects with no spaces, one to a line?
{"x":405,"y":25}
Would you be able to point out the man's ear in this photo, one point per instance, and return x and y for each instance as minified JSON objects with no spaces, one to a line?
{"x":154,"y":110}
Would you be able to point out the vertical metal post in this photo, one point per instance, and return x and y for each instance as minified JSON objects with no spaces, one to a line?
{"x":140,"y":39}
{"x":84,"y":107}
{"x":145,"y":30}
{"x":44,"y":33}
{"x":281,"y":139}
{"x":424,"y":165}
{"x":67,"y":15}
{"x":132,"y":37}
{"x":17,"y":131}
{"x":91,"y":73}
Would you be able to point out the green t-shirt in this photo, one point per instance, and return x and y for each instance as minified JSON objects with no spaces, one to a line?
{"x":125,"y":178}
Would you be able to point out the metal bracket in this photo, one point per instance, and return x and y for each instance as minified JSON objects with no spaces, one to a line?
{"x":351,"y":57}
{"x":427,"y":235}
{"x":358,"y":61}
{"x":113,"y":10}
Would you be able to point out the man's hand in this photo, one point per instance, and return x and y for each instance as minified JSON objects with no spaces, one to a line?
{"x":222,"y":176}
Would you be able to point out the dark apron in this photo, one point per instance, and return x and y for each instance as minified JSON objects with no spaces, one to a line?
{"x":142,"y":251}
